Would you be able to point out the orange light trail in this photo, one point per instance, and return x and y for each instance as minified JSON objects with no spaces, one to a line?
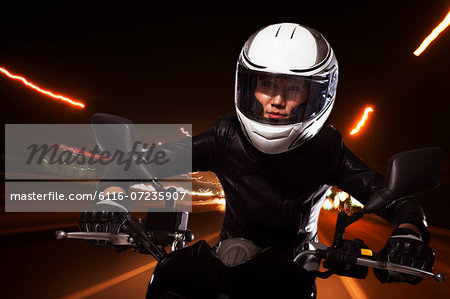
{"x":198,"y":179}
{"x":433,"y":35}
{"x":206,"y":182}
{"x":24,"y":81}
{"x":185,"y":132}
{"x":362,"y":121}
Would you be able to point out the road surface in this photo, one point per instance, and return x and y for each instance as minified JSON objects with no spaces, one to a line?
{"x":35,"y":264}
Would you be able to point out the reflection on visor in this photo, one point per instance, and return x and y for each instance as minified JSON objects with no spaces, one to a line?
{"x":282,"y":99}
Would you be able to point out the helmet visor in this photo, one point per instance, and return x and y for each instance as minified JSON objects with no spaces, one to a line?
{"x":283,"y":99}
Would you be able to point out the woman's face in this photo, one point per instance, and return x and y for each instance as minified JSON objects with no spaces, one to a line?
{"x":279,"y":96}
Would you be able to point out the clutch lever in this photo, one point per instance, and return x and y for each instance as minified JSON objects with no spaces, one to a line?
{"x":115,"y":239}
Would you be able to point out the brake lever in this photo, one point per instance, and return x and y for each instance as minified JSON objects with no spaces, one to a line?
{"x":399,"y":268}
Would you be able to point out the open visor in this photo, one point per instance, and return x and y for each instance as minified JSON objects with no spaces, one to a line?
{"x":283,"y":99}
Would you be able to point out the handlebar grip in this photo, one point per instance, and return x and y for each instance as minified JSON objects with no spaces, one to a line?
{"x":337,"y":256}
{"x":343,"y":263}
{"x":137,"y":232}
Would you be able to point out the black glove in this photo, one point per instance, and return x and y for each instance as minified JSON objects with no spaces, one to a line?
{"x":107,"y":217}
{"x":406,"y":248}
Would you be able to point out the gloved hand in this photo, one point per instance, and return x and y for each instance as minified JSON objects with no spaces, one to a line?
{"x":106,"y":216}
{"x":405,"y":247}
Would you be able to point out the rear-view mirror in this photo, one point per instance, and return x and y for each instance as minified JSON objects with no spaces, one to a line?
{"x":413,"y":172}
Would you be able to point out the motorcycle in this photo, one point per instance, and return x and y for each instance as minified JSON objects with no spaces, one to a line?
{"x":195,"y":271}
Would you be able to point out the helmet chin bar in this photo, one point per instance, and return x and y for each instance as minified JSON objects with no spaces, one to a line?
{"x":277,"y":139}
{"x":267,"y":138}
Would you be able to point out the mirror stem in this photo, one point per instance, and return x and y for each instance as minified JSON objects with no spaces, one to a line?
{"x":341,"y":223}
{"x":381,"y":200}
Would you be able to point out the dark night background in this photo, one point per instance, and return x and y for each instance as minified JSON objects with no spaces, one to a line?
{"x":175,"y":64}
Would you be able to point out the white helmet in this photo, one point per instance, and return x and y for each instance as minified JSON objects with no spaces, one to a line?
{"x":286,"y":79}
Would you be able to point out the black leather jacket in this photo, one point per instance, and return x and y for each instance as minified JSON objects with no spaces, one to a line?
{"x":273,"y":199}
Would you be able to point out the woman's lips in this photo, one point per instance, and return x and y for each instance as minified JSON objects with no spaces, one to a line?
{"x":276,"y":115}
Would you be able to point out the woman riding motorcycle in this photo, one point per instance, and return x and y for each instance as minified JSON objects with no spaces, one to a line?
{"x":275,"y":158}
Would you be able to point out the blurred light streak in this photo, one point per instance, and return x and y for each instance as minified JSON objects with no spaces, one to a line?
{"x":433,"y":35}
{"x":327,"y":205}
{"x":185,"y":132}
{"x":362,"y":121}
{"x":112,"y":282}
{"x":336,"y":202}
{"x":203,"y":192}
{"x":198,"y":179}
{"x":121,"y":278}
{"x":354,"y":289}
{"x":206,"y":182}
{"x":31,"y":85}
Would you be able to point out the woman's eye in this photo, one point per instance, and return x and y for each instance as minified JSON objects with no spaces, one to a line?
{"x":267,"y":84}
{"x":294,"y":88}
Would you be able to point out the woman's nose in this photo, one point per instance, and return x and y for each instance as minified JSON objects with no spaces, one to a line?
{"x":277,"y":100}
